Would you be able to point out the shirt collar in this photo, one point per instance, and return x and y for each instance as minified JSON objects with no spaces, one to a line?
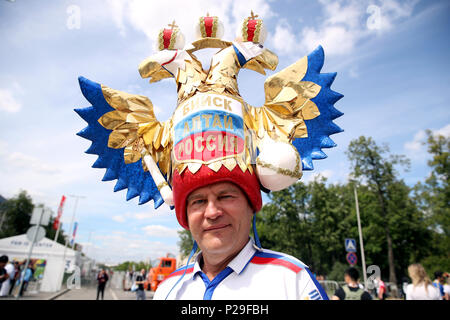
{"x":239,"y":262}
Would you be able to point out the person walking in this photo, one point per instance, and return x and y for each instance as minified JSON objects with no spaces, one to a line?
{"x":4,"y":276}
{"x":102,"y":279}
{"x":352,"y":289}
{"x":421,"y":287}
{"x":439,"y":281}
{"x":26,"y":277}
{"x":140,"y":279}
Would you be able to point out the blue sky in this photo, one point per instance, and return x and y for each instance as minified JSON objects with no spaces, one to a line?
{"x":391,"y":57}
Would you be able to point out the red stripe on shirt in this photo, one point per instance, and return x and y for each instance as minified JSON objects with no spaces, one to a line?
{"x":179,"y":272}
{"x":280,"y":262}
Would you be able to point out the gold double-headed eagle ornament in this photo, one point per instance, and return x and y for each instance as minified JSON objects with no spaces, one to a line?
{"x":212,"y":125}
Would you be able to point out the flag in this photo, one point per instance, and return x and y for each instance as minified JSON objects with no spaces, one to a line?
{"x":60,"y":211}
{"x":75,"y":226}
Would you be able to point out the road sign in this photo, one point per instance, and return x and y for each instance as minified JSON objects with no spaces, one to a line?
{"x":350,"y":245}
{"x":40,"y":233}
{"x":36,"y":215}
{"x":351,"y":258}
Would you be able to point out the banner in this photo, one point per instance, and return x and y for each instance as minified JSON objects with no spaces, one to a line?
{"x":60,"y":211}
{"x":75,"y":226}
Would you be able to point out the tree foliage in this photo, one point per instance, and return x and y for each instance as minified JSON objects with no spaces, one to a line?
{"x":15,"y":215}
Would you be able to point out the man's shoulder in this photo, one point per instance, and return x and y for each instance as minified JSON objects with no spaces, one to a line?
{"x":270,"y":257}
{"x":169,"y":281}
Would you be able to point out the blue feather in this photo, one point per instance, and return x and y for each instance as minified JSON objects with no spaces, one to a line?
{"x":129,"y":176}
{"x":320,"y":128}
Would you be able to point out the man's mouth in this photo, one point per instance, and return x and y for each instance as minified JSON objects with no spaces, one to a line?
{"x":216,"y":227}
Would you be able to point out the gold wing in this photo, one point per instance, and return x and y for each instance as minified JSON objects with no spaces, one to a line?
{"x":287,"y":104}
{"x":135,"y":128}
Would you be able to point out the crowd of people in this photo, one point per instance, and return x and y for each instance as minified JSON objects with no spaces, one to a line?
{"x":12,"y":273}
{"x":420,"y":288}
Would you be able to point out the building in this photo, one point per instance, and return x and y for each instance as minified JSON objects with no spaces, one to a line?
{"x":49,"y":255}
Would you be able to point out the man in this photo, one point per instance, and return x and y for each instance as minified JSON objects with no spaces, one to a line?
{"x":439,"y":281}
{"x":211,"y":159}
{"x":6,"y":285}
{"x":140,"y":280}
{"x":102,"y":279}
{"x":4,"y":276}
{"x":381,"y":289}
{"x":446,"y":287}
{"x":351,"y":290}
{"x":230,"y":266}
{"x":26,"y":277}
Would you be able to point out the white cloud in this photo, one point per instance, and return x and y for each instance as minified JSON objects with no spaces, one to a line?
{"x":151,"y":16}
{"x":344,"y":24}
{"x":283,"y":39}
{"x":119,"y":218}
{"x":416,"y":147}
{"x":417,"y":143}
{"x":8,"y":99}
{"x":160,"y":231}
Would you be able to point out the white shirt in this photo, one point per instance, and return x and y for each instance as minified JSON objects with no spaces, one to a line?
{"x":5,"y":285}
{"x":253,"y":274}
{"x":418,"y":292}
{"x":446,"y":288}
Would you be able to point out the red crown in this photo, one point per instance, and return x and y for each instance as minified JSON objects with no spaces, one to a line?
{"x":251,"y":28}
{"x":208,"y":26}
{"x":167,"y":37}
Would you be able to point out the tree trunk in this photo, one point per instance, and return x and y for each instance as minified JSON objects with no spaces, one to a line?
{"x":391,"y":261}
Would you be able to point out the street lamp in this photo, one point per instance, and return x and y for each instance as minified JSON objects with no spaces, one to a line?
{"x":361,"y":243}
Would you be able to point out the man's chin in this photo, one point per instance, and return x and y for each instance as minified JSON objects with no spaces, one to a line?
{"x":217,"y":245}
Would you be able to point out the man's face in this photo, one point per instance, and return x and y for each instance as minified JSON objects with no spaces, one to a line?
{"x":219,"y":218}
{"x":347,"y":279}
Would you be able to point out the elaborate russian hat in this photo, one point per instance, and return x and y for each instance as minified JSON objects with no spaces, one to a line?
{"x":213,"y":135}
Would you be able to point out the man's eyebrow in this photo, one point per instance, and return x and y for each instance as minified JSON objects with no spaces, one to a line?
{"x":195,"y":196}
{"x":228,"y":190}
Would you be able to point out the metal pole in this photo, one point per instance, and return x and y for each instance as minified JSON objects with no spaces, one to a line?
{"x":29,"y":253}
{"x":71,"y":226}
{"x":363,"y":259}
{"x":57,"y":232}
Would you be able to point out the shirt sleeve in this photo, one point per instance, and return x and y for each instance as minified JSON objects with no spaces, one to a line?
{"x":309,"y":287}
{"x":340,"y":293}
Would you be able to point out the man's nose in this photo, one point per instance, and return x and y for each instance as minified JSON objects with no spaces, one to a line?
{"x":212,"y":210}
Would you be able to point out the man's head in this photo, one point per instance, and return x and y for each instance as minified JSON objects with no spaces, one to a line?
{"x":186,"y":183}
{"x":142,"y":271}
{"x":439,"y":275}
{"x":3,"y":261}
{"x":351,"y":275}
{"x":219,"y":217}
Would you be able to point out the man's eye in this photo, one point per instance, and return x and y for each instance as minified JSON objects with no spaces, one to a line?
{"x":198,"y":202}
{"x":226,"y":196}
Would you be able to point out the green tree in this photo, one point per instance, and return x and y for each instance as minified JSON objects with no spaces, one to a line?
{"x":375,"y":166}
{"x":285,"y":224}
{"x":185,"y":242}
{"x":433,"y":198}
{"x":16,"y":215}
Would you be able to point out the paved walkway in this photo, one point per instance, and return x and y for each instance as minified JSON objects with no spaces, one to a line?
{"x":84,"y":293}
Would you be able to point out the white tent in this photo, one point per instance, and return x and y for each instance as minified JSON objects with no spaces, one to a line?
{"x":18,"y":247}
